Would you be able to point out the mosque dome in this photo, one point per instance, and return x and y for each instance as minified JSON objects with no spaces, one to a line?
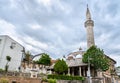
{"x":76,"y":54}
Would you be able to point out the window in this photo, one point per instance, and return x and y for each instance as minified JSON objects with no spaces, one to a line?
{"x":0,"y":41}
{"x":12,"y":45}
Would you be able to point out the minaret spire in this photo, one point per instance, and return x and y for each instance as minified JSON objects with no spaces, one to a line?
{"x":88,"y":15}
{"x":89,"y":24}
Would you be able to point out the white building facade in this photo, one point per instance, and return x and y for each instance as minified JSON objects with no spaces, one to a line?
{"x":9,"y":47}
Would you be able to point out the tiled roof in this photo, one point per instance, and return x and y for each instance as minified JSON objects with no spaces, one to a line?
{"x":77,"y":53}
{"x":75,"y":62}
{"x":53,"y":61}
{"x":72,"y":63}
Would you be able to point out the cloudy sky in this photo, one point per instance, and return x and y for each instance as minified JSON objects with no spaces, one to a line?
{"x":57,"y":26}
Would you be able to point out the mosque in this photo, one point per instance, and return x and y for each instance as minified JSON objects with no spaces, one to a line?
{"x":75,"y":64}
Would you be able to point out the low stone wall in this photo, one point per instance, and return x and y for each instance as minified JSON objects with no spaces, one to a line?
{"x":95,"y":80}
{"x":69,"y":81}
{"x":22,"y":80}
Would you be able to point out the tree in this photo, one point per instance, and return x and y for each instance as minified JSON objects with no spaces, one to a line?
{"x":27,"y":57}
{"x":97,"y":58}
{"x":44,"y":59}
{"x":8,"y":58}
{"x":60,"y":67}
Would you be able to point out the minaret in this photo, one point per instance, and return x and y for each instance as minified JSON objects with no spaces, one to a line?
{"x":89,"y":24}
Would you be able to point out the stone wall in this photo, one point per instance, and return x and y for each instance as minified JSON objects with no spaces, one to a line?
{"x":94,"y":80}
{"x":14,"y":79}
{"x":22,"y":80}
{"x":69,"y":81}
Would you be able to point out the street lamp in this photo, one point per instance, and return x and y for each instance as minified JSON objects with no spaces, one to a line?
{"x":89,"y":74}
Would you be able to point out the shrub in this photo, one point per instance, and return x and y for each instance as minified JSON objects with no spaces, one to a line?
{"x":65,"y":77}
{"x":1,"y":70}
{"x":44,"y":79}
{"x":52,"y":81}
{"x":60,"y":67}
{"x":6,"y":68}
{"x":4,"y":80}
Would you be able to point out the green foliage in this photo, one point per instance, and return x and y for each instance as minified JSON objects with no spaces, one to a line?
{"x":1,"y":70}
{"x":44,"y":60}
{"x":52,"y":81}
{"x":4,"y":80}
{"x":60,"y":67}
{"x":6,"y":68}
{"x":27,"y":57}
{"x":44,"y":79}
{"x":97,"y":58}
{"x":8,"y":58}
{"x":65,"y":77}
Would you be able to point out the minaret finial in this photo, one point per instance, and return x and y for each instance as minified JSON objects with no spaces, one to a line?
{"x":87,"y":5}
{"x":88,"y":15}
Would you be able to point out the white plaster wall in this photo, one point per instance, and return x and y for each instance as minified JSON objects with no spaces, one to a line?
{"x":15,"y":53}
{"x":2,"y":42}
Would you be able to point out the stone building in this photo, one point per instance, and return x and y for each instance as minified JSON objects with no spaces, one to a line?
{"x":75,"y":64}
{"x":9,"y":47}
{"x":33,"y":68}
{"x":77,"y":67}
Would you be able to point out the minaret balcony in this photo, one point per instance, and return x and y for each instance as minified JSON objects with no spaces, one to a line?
{"x":89,"y":23}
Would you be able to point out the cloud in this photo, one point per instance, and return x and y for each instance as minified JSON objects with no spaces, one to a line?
{"x":45,"y":2}
{"x":7,"y":28}
{"x":34,"y":45}
{"x":35,"y":26}
{"x":57,"y":26}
